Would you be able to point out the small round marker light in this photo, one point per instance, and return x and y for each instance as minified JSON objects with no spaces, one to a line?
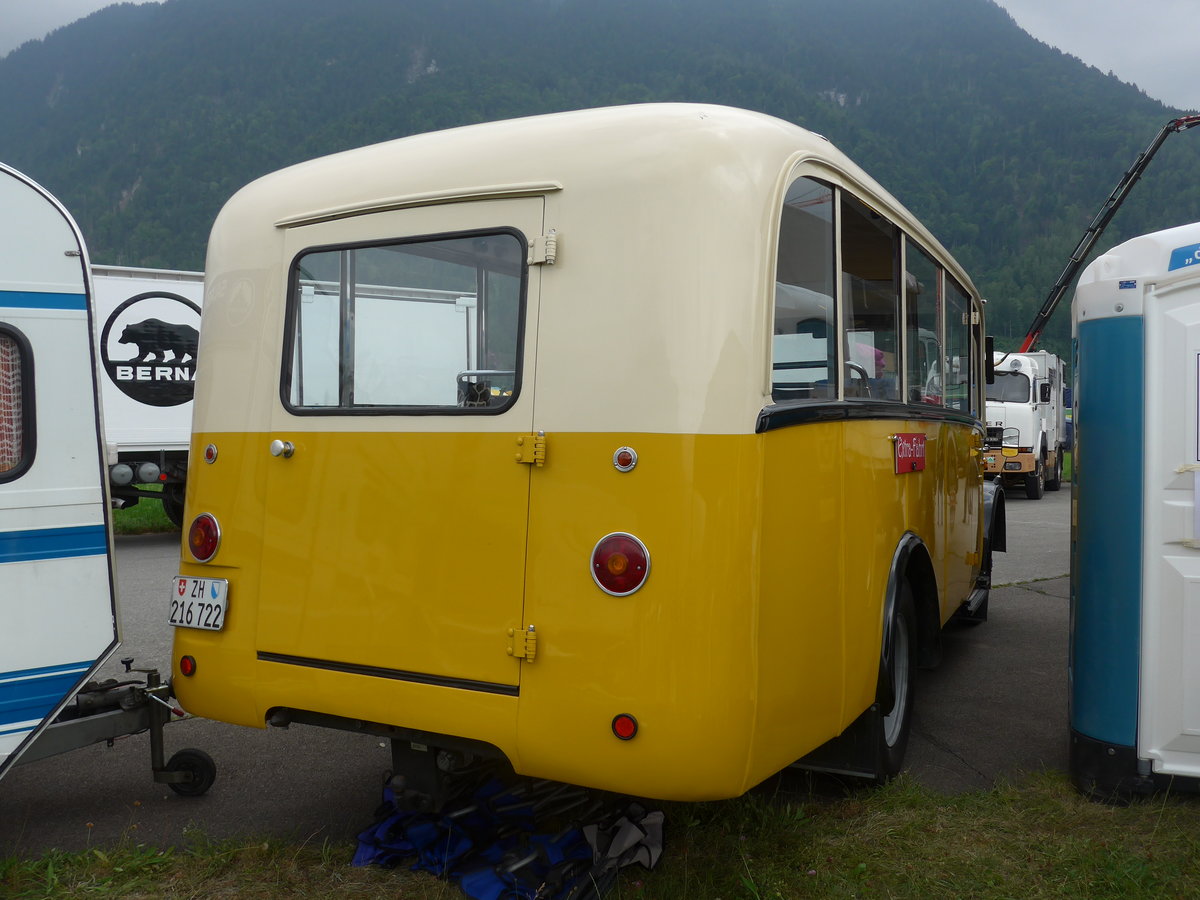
{"x":625,"y":726}
{"x":625,"y":459}
{"x":210,"y":454}
{"x":187,"y":666}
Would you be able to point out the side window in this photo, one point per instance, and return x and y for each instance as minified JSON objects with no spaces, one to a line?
{"x":16,"y":405}
{"x":922,"y":312}
{"x":804,"y":346}
{"x":958,"y":388}
{"x":414,"y":327}
{"x":871,"y":292}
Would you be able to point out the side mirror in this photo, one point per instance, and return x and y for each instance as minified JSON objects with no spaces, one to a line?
{"x":1009,"y":440}
{"x":1044,"y":392}
{"x":990,"y":363}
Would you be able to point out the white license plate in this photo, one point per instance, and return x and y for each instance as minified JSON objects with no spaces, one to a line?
{"x":199,"y":602}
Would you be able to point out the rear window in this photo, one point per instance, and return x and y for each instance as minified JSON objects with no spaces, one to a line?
{"x":16,"y":405}
{"x":413,"y":327}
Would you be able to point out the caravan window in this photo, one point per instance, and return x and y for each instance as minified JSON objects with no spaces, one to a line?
{"x":16,"y":405}
{"x":414,"y":327}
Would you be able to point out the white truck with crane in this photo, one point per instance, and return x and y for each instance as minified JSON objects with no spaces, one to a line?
{"x":1026,"y":405}
{"x":1026,"y":422}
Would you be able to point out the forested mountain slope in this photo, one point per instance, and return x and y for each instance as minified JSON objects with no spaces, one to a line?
{"x":144,"y":119}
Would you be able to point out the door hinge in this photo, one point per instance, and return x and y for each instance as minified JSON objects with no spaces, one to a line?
{"x":522,"y":644}
{"x":531,"y":449}
{"x":543,"y":249}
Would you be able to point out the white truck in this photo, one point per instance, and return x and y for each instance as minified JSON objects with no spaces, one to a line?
{"x":1026,"y":422}
{"x":149,"y":326}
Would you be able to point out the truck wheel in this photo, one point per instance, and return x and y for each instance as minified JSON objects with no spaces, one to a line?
{"x":172,"y":501}
{"x":895,"y":722}
{"x":1035,"y":483}
{"x":1054,"y":482}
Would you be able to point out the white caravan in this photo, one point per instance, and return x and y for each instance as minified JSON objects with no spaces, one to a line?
{"x":57,"y":601}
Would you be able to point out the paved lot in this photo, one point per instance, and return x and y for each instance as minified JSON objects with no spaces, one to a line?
{"x":995,"y":707}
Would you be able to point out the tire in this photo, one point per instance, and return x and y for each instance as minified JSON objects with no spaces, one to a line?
{"x":1035,"y":483}
{"x":172,"y":501}
{"x":1054,"y":482}
{"x":895,"y":721}
{"x":202,"y":768}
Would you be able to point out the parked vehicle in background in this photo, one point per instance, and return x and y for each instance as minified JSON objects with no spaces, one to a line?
{"x":1026,"y":422}
{"x":149,"y":329}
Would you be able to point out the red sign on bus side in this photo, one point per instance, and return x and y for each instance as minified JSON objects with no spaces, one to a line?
{"x":910,"y":453}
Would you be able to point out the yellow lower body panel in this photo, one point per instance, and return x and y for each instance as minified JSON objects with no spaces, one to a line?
{"x":377,"y":577}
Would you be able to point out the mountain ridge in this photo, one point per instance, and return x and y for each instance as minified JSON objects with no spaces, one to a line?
{"x":144,"y":119}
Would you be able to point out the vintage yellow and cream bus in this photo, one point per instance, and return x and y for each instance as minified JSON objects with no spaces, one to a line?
{"x":639,"y":446}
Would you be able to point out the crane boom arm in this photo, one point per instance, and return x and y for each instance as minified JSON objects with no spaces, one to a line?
{"x":1093,"y":232}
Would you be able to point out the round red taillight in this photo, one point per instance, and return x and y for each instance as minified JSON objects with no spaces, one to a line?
{"x":204,"y":537}
{"x":620,"y":564}
{"x":624,"y":726}
{"x":187,"y":666}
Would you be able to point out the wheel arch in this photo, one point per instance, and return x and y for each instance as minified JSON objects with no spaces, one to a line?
{"x":995,"y":526}
{"x":912,"y":562}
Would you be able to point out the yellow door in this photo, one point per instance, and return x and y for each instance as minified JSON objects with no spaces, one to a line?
{"x":394,"y":538}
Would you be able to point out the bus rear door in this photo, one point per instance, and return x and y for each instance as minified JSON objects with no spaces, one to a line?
{"x":406,"y":421}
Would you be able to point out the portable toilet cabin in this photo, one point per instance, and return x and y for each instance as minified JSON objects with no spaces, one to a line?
{"x":57,"y":601}
{"x":1135,"y":566}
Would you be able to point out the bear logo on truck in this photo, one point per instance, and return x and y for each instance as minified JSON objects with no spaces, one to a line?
{"x":161,"y":331}
{"x":156,"y":338}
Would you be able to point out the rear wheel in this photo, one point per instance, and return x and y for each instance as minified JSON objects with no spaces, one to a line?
{"x":896,"y":705}
{"x":1035,"y":482}
{"x":172,"y":501}
{"x":1054,"y":482}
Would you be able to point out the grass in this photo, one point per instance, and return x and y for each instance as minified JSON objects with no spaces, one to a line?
{"x":1033,"y":839}
{"x":145,"y":517}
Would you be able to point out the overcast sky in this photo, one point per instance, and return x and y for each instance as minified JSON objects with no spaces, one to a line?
{"x":1147,"y":42}
{"x":1150,"y":43}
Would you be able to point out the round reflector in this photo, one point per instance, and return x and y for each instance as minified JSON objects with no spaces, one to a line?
{"x":204,"y":537}
{"x":624,"y":726}
{"x":187,"y":666}
{"x":624,"y":459}
{"x":620,"y":564}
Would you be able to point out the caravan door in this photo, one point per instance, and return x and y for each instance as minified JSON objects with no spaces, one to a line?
{"x":57,"y":607}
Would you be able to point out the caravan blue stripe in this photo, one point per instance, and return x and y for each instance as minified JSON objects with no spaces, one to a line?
{"x":52,"y":543}
{"x":31,"y":694}
{"x":39,"y":300}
